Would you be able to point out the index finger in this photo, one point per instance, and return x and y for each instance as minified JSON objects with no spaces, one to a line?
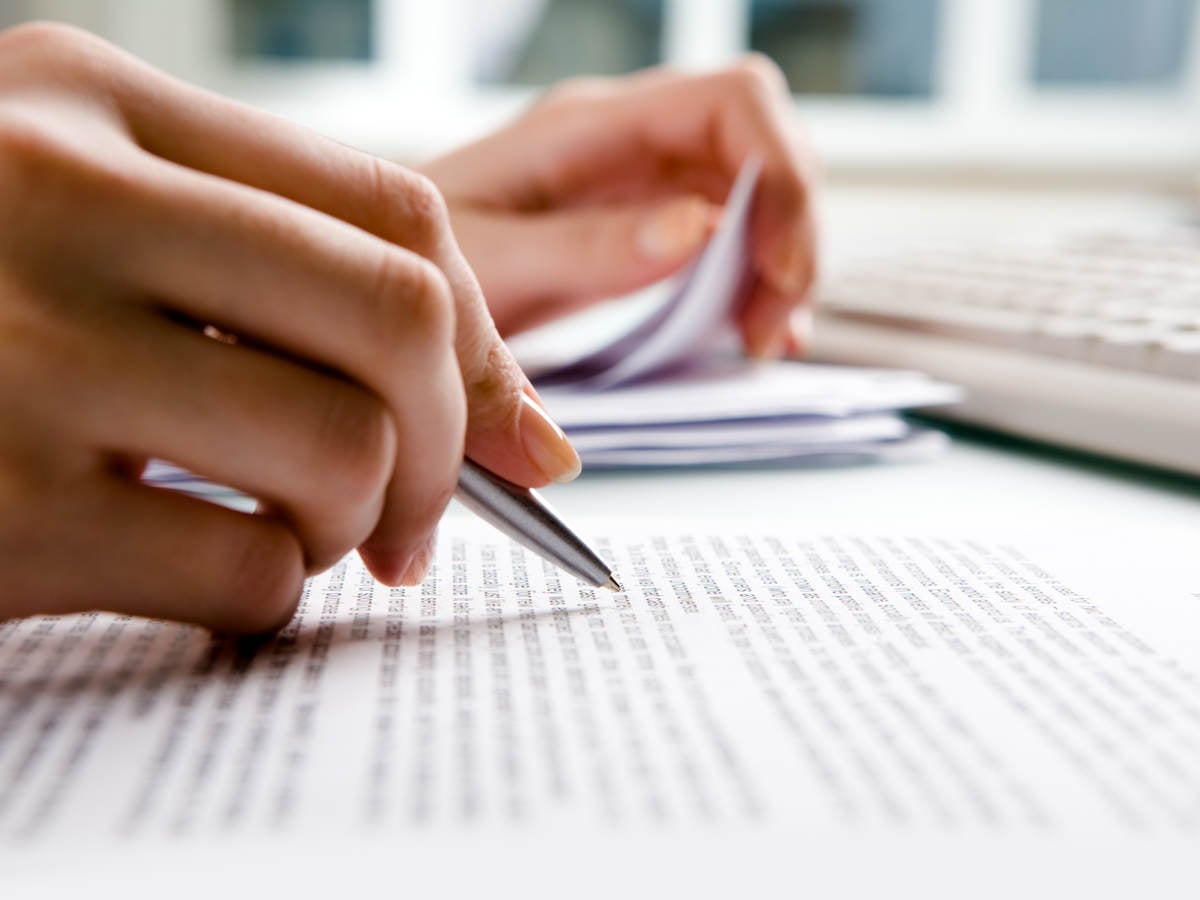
{"x":204,"y":131}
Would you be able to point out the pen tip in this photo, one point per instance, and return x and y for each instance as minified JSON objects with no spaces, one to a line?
{"x":613,"y":585}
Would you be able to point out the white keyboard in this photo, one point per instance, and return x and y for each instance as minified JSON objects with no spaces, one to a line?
{"x":1093,"y":344}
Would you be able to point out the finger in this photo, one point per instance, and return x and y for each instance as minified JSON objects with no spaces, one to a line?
{"x":198,"y":129}
{"x":753,"y":116}
{"x":165,"y":555}
{"x":315,"y":289}
{"x":799,"y":333}
{"x":318,"y":449}
{"x":580,"y":255}
{"x":774,"y":301}
{"x":627,"y":139}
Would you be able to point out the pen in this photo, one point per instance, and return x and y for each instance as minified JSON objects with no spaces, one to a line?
{"x":526,"y":518}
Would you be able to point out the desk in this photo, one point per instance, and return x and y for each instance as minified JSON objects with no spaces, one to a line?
{"x":981,"y":481}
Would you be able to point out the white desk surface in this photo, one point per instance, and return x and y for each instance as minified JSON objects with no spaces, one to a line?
{"x":979,"y":484}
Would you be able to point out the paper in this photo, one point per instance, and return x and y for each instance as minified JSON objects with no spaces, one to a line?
{"x":814,"y":432}
{"x":821,"y":685}
{"x":653,"y":393}
{"x":697,"y":317}
{"x":748,"y":392}
{"x":912,"y":445}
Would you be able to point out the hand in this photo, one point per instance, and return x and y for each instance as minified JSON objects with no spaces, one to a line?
{"x":135,"y":211}
{"x":606,"y":185}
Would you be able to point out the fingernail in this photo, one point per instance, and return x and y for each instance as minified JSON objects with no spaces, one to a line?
{"x":545,"y":443}
{"x":767,"y":346}
{"x":675,"y":230}
{"x":532,"y":394}
{"x":418,"y":566}
{"x":800,"y":326}
{"x":791,"y":267}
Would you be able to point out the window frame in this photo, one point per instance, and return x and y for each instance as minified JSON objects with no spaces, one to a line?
{"x":985,"y":112}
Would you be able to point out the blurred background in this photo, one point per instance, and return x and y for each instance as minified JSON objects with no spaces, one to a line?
{"x":1106,"y":89}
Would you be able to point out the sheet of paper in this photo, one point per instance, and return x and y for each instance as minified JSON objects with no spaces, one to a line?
{"x":744,"y":391}
{"x":794,"y":432}
{"x":826,"y":695}
{"x":697,"y":317}
{"x":912,"y":445}
{"x":738,"y":412}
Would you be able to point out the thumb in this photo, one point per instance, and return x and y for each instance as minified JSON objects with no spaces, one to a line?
{"x":575,"y":255}
{"x":508,"y":430}
{"x":537,"y":266}
{"x":578,"y":254}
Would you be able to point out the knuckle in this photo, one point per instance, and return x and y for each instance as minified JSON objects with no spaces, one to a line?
{"x":423,"y":197}
{"x":356,"y":446}
{"x":412,"y":302}
{"x":759,"y":76}
{"x":417,"y":210}
{"x":45,"y":38}
{"x":57,"y":53}
{"x":428,"y":303}
{"x":44,"y":170}
{"x":265,"y":577}
{"x":572,"y":100}
{"x":665,"y":70}
{"x":29,"y":149}
{"x":571,"y":91}
{"x":494,"y":391}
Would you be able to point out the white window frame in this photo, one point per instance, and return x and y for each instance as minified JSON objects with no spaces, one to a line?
{"x":416,"y":96}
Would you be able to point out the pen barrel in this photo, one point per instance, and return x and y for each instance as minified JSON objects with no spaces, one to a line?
{"x":526,"y":518}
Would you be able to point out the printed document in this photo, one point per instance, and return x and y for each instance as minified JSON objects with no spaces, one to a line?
{"x":811,"y":691}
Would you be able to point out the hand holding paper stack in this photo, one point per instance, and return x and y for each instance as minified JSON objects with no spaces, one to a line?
{"x":671,"y":390}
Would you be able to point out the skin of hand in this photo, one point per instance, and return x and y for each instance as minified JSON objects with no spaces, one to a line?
{"x":605,"y":185}
{"x":135,"y":211}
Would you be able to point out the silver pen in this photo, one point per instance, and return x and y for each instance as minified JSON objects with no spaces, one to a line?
{"x":526,"y":518}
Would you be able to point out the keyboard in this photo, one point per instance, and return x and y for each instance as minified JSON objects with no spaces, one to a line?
{"x":1092,"y":342}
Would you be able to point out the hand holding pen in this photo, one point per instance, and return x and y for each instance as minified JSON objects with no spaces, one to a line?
{"x":138,"y":210}
{"x":139,"y":213}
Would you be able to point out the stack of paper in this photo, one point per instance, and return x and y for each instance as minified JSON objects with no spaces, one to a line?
{"x":671,"y":390}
